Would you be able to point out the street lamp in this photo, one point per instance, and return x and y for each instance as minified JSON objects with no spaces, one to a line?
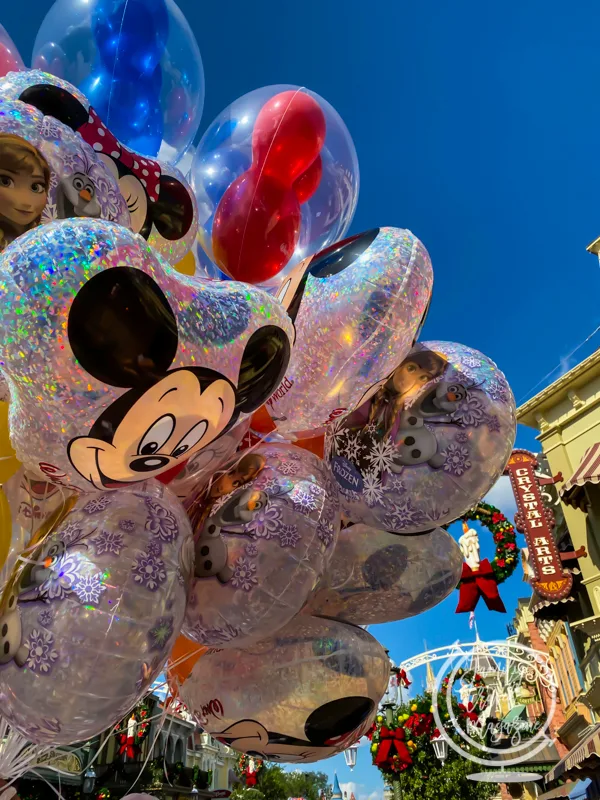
{"x":440,"y":748}
{"x":194,"y":792}
{"x":89,"y":780}
{"x":350,"y":755}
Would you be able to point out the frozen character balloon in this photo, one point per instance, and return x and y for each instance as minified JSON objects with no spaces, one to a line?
{"x":119,"y":368}
{"x":304,"y":694}
{"x":357,"y":309}
{"x":47,"y":172}
{"x":160,"y":202}
{"x":429,"y":444}
{"x":87,"y":621}
{"x":264,"y":533}
{"x":377,"y":577}
{"x":24,"y":187}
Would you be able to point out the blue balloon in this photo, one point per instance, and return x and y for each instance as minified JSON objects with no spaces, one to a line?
{"x":130,"y":35}
{"x":218,"y":133}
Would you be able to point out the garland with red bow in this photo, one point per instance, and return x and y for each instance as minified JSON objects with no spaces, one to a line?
{"x":484,"y":582}
{"x":392,"y":745}
{"x":130,"y":745}
{"x":249,"y":767}
{"x":471,"y":711}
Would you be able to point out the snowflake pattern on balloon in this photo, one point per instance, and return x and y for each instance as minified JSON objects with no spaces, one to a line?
{"x":462,"y":437}
{"x":42,"y":655}
{"x":493,"y":424}
{"x":244,"y":575}
{"x":70,"y":533}
{"x":396,"y":484}
{"x":161,"y":522}
{"x":148,"y":571}
{"x":353,"y":447}
{"x":251,"y":550}
{"x":266,"y":523}
{"x":498,"y":390}
{"x":307,"y":498}
{"x":46,"y":617}
{"x":289,"y":536}
{"x":381,"y":455}
{"x":161,"y":632}
{"x":471,"y":361}
{"x":402,"y":514}
{"x":470,"y":412}
{"x":97,"y":504}
{"x":108,"y":542}
{"x":127,"y":525}
{"x":372,"y":489}
{"x":325,"y":531}
{"x":44,"y":730}
{"x":65,"y":574}
{"x":457,"y":459}
{"x":89,"y":588}
{"x":154,"y":547}
{"x":289,"y":467}
{"x":220,"y":501}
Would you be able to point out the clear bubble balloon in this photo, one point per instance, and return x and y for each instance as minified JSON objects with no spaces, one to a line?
{"x":305,"y":694}
{"x":10,"y":60}
{"x":88,"y":622}
{"x":429,"y":444}
{"x":377,"y":577}
{"x":263,"y":536}
{"x":138,"y":59}
{"x":311,"y":186}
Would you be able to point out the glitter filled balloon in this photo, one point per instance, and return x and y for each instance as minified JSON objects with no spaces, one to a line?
{"x":161,"y":204}
{"x":429,"y":444}
{"x":376,"y":577}
{"x":87,"y":627}
{"x":262,"y":543}
{"x":276,"y":178}
{"x":357,"y":309}
{"x":55,"y":175}
{"x":305,"y":694}
{"x":120,"y":369}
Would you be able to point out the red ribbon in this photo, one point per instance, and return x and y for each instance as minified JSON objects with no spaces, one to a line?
{"x":467,"y":712}
{"x":419,"y":723}
{"x":479,"y":584}
{"x":402,"y":678}
{"x":250,"y":778}
{"x":392,"y":743}
{"x":127,"y":746}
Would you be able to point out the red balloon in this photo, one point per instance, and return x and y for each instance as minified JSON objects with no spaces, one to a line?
{"x":256,"y":228}
{"x":288,"y":135}
{"x":308,"y":183}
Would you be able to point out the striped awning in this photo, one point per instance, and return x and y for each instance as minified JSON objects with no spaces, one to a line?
{"x":588,"y":471}
{"x":582,"y":756}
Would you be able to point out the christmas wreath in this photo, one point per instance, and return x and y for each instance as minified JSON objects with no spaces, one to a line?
{"x":392,"y":745}
{"x":471,"y":711}
{"x":249,"y":767}
{"x":130,"y":744}
{"x":505,"y":561}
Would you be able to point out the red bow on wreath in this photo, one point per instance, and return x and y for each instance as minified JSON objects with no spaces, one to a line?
{"x":250,"y":777}
{"x":127,"y":746}
{"x":479,"y":584}
{"x":391,"y":744}
{"x":402,"y":678}
{"x":468,"y":712}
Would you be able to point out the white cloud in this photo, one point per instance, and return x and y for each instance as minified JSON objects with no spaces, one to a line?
{"x":360,"y":791}
{"x":501,"y":495}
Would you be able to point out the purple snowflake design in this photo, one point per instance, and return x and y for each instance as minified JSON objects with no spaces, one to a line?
{"x":149,"y":571}
{"x":457,"y":459}
{"x":289,"y":536}
{"x":493,"y":424}
{"x":325,"y":531}
{"x":42,"y":655}
{"x":161,"y":522}
{"x":65,"y":575}
{"x":97,"y":504}
{"x":161,"y":632}
{"x":127,"y":525}
{"x":46,"y":617}
{"x":71,"y":533}
{"x":289,"y":467}
{"x":108,"y":543}
{"x":266,"y":523}
{"x":402,"y":514}
{"x":89,"y":588}
{"x":251,"y":550}
{"x":471,"y":412}
{"x":154,"y":548}
{"x":244,"y":575}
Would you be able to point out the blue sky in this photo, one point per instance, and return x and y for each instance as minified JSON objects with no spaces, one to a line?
{"x":476,"y":126}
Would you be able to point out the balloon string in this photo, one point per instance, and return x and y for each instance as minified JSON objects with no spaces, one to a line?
{"x":112,"y":79}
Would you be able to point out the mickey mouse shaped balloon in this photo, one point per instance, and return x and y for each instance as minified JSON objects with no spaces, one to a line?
{"x":121,"y":369}
{"x":161,"y":204}
{"x":357,"y":309}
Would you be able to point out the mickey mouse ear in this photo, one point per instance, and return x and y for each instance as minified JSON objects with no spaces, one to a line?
{"x":55,"y":102}
{"x":122,"y":329}
{"x":263,"y":365}
{"x":337,"y":718}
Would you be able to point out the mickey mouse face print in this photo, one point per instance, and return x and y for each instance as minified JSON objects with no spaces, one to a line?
{"x":121,"y":369}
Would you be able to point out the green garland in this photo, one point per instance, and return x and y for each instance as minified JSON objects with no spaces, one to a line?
{"x":473,"y":678}
{"x":507,"y":550}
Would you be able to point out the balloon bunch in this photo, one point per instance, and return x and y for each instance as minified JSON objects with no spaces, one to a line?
{"x":208,"y":474}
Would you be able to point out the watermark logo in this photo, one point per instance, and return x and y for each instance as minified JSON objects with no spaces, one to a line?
{"x":497,"y":699}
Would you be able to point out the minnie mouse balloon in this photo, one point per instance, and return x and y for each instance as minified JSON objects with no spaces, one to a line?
{"x":263,"y":540}
{"x":357,"y":308}
{"x":86,"y":628}
{"x":119,"y":368}
{"x":49,"y":173}
{"x":377,"y":577}
{"x":429,"y":444}
{"x":160,"y":202}
{"x":305,"y":694}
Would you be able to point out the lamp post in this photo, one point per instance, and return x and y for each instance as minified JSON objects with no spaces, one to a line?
{"x":440,"y":748}
{"x":350,"y":755}
{"x":89,"y":780}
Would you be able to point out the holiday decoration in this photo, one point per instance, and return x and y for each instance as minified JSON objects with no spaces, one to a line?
{"x":250,"y":767}
{"x":472,"y":684}
{"x":134,"y":730}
